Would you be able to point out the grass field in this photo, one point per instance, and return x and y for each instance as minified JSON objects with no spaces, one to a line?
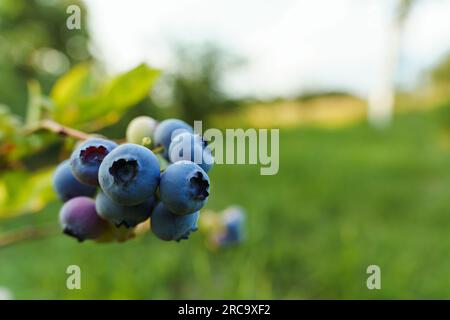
{"x":344,"y":199}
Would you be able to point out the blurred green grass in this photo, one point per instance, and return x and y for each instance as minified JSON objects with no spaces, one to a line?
{"x":343,"y":200}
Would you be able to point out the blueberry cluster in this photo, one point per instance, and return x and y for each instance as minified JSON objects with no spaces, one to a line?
{"x":107,"y":187}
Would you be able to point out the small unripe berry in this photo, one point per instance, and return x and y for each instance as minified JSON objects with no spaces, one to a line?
{"x":140,"y":128}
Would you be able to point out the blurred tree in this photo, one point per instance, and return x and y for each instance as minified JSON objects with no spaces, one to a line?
{"x":35,"y":44}
{"x":194,"y":87}
{"x":441,"y":73}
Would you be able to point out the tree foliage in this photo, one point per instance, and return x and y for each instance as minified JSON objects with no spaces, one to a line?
{"x":35,"y":44}
{"x":196,"y":84}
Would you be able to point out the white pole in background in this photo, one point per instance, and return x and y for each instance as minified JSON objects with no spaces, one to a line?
{"x":382,"y":95}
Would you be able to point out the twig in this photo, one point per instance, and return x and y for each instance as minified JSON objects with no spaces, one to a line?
{"x":158,"y":149}
{"x":57,"y":128}
{"x":63,"y":130}
{"x":28,"y":233}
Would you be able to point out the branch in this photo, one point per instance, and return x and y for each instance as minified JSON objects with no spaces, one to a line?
{"x":62,"y":130}
{"x":158,"y":149}
{"x":28,"y":233}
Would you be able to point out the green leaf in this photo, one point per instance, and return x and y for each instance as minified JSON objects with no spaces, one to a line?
{"x":71,"y":86}
{"x":129,"y":88}
{"x":24,"y":192}
{"x":118,"y":95}
{"x":107,"y":104}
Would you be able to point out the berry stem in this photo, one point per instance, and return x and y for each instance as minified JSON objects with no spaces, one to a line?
{"x":55,"y":127}
{"x":62,"y":130}
{"x":158,"y":149}
{"x":58,"y":128}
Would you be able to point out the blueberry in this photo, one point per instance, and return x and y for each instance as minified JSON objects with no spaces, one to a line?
{"x":79,"y":219}
{"x":167,"y":130}
{"x":85,"y":160}
{"x":129,"y":174}
{"x":169,"y":226}
{"x":189,"y":146}
{"x":184,"y":187}
{"x":66,"y":186}
{"x":140,"y":128}
{"x":118,"y":214}
{"x":233,"y":227}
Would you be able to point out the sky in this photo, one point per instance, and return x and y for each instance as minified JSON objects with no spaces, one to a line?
{"x":290,"y":46}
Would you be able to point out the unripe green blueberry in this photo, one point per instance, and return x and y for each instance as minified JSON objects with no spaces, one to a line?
{"x":140,"y":128}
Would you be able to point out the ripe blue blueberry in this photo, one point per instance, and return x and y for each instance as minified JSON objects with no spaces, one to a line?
{"x":79,"y":219}
{"x":184,"y":187}
{"x":86,"y":159}
{"x":189,"y":146}
{"x":233,"y":227}
{"x":128,"y":216}
{"x":66,"y":186}
{"x":129,"y":174}
{"x":169,"y":226}
{"x":167,"y":130}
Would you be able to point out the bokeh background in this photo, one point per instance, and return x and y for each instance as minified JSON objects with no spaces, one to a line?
{"x":360,"y":91}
